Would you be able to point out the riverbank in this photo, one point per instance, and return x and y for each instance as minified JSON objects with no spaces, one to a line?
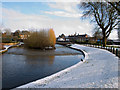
{"x":9,"y":45}
{"x":99,"y":70}
{"x":59,"y":51}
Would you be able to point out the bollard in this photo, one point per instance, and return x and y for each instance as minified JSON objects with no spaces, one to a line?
{"x":113,"y":50}
{"x":116,"y":52}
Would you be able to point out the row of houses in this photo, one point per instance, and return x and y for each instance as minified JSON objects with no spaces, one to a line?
{"x":85,"y":38}
{"x":15,"y":36}
{"x":78,"y":38}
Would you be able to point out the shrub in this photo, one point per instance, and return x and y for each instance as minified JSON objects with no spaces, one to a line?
{"x":7,"y":39}
{"x":41,"y":39}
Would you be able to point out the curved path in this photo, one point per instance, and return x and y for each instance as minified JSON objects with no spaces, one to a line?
{"x":99,"y":70}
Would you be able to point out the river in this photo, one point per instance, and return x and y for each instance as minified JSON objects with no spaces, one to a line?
{"x":22,"y":65}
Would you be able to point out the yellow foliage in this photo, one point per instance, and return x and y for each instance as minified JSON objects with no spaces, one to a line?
{"x":41,"y":39}
{"x":52,"y":38}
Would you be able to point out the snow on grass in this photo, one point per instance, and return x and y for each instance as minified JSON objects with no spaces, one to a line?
{"x":8,"y":46}
{"x":99,"y":70}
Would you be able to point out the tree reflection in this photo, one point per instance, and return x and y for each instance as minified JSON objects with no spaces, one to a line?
{"x":39,"y":60}
{"x":51,"y":59}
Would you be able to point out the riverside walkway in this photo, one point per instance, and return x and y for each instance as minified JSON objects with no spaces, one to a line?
{"x":99,"y":69}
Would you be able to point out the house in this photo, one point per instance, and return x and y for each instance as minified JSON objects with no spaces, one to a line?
{"x":60,"y":39}
{"x":3,"y":34}
{"x":78,"y":38}
{"x":24,"y":35}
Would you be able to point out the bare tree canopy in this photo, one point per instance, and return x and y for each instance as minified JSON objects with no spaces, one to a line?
{"x":116,"y":5}
{"x":103,"y":14}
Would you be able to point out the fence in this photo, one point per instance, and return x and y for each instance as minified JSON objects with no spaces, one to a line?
{"x":112,"y":49}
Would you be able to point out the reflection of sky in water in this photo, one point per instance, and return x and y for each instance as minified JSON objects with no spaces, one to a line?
{"x":21,"y":66}
{"x":59,"y":50}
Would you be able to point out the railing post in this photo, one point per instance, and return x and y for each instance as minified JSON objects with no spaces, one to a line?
{"x":113,"y":50}
{"x":116,"y":52}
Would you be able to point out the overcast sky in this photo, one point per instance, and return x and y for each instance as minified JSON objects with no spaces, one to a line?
{"x":63,"y":17}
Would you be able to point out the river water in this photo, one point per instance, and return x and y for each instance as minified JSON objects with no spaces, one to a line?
{"x":22,"y":65}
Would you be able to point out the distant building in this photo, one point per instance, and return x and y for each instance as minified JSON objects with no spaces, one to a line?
{"x":24,"y":34}
{"x":78,"y":38}
{"x":60,"y":39}
{"x":3,"y":34}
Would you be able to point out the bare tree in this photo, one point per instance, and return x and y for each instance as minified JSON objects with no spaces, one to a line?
{"x":103,"y":14}
{"x":116,"y":5}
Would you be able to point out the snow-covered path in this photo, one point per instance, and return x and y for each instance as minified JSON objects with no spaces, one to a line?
{"x":100,"y":70}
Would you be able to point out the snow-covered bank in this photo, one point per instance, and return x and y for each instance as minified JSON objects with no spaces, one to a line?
{"x":99,"y":70}
{"x":9,"y":46}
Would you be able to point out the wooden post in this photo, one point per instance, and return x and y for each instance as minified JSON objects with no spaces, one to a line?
{"x":113,"y":50}
{"x":116,"y":52}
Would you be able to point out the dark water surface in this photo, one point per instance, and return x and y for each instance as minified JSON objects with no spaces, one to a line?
{"x":21,"y":65}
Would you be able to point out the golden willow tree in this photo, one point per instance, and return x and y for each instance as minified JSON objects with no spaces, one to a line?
{"x":42,"y":39}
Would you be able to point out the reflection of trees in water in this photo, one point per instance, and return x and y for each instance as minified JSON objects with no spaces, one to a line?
{"x":39,"y":60}
{"x":51,"y":59}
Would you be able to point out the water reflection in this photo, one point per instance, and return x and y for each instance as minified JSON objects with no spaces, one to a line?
{"x":21,"y":65}
{"x":39,"y":60}
{"x":51,"y":59}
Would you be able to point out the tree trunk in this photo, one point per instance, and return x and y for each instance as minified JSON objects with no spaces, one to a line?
{"x":104,"y":39}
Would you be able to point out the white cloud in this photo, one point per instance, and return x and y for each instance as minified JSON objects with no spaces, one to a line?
{"x":64,"y":14}
{"x":69,"y":7}
{"x":64,"y":9}
{"x":114,"y":34}
{"x":16,"y":20}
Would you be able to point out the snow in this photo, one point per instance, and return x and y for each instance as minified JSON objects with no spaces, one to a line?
{"x":8,"y":46}
{"x":114,"y":45}
{"x":98,"y":70}
{"x":61,"y":39}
